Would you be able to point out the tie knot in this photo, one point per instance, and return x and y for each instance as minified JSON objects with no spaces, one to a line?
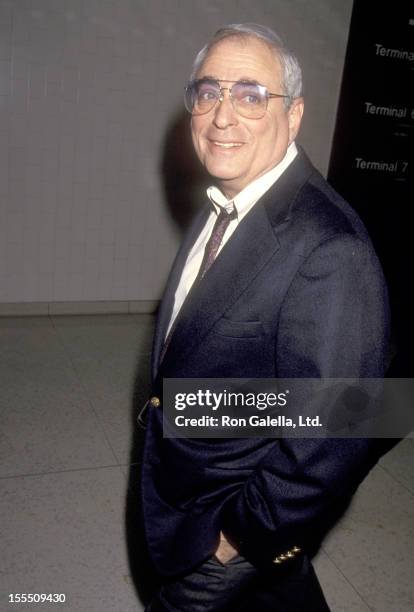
{"x":225,"y":214}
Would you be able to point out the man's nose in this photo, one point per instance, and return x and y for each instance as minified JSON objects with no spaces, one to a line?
{"x":224,"y":113}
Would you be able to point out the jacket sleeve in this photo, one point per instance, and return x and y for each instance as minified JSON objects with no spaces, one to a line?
{"x":334,"y":323}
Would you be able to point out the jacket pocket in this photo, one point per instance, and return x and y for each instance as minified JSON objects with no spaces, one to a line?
{"x":238,"y":329}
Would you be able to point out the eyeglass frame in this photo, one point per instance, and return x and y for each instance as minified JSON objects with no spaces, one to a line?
{"x":220,"y":98}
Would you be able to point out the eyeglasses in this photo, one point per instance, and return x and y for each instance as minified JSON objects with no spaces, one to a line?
{"x":249,"y":99}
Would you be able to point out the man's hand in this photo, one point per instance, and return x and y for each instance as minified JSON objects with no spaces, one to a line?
{"x":225,"y":551}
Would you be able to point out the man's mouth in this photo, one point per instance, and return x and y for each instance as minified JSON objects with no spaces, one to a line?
{"x":227,"y":145}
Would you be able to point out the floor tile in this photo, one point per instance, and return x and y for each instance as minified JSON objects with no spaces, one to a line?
{"x":64,"y":533}
{"x":95,"y":333}
{"x":112,"y":362}
{"x":117,"y":414}
{"x":399,"y":463}
{"x":47,"y":420}
{"x":20,"y":324}
{"x":372,"y":545}
{"x":339,"y":593}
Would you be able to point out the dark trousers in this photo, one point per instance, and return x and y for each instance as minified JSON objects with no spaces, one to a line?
{"x":238,"y":587}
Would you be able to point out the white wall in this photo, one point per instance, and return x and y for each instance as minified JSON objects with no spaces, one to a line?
{"x":88,"y":90}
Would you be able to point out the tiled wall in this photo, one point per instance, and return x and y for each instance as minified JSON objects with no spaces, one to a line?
{"x":88,"y":92}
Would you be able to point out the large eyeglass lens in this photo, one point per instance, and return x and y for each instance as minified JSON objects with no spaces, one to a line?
{"x":201,"y":96}
{"x":248,"y":99}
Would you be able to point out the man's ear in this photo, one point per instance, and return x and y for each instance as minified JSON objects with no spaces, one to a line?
{"x":295,"y":114}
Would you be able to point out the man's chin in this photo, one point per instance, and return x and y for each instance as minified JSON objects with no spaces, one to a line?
{"x":224,"y":176}
{"x":230,"y":187}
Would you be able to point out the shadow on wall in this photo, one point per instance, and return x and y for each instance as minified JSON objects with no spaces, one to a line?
{"x":183,"y":177}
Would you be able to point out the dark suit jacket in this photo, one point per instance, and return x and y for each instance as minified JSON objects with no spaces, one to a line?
{"x":297,"y":291}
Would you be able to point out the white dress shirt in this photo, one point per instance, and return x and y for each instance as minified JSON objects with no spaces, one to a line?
{"x":242,"y":203}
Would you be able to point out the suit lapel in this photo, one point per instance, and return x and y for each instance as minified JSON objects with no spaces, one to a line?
{"x":167,"y":303}
{"x":280,"y":198}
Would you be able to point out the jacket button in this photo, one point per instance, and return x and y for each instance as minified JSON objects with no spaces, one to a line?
{"x":155,"y":402}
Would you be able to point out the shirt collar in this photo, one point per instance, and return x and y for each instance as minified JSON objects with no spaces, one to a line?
{"x":246,"y":199}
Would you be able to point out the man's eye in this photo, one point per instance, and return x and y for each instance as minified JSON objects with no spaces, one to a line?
{"x":251,"y":99}
{"x":207,"y":94}
{"x":249,"y":96}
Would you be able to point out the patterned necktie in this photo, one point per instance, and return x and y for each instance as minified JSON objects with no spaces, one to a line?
{"x":213,"y":244}
{"x":210,"y":253}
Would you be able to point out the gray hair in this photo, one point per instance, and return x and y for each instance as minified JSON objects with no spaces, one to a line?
{"x":291,"y":70}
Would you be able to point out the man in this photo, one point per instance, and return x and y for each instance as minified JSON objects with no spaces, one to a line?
{"x":276,"y":278}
